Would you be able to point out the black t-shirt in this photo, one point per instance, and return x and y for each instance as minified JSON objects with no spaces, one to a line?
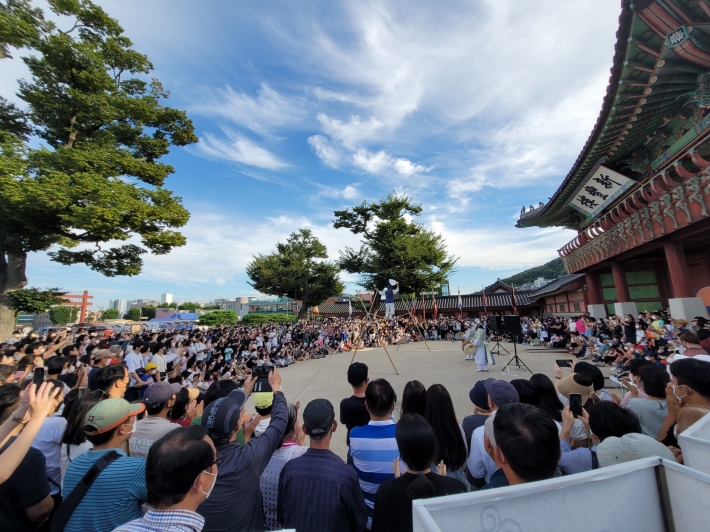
{"x":471,"y":423}
{"x":353,"y":414}
{"x":393,"y":509}
{"x":27,"y":486}
{"x":91,"y":379}
{"x":69,"y":380}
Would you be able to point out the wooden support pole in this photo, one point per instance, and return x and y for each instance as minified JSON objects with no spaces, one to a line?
{"x":678,"y":268}
{"x":622,"y":288}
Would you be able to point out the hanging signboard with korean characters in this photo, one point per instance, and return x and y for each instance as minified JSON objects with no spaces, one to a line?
{"x":601,"y":187}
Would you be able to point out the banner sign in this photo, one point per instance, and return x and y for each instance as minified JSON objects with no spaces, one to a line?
{"x":599,"y":190}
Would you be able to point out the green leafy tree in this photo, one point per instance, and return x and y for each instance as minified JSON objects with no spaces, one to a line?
{"x":133,"y":314}
{"x":550,"y":270}
{"x":259,"y":319}
{"x":35,"y":301}
{"x":190,"y":306}
{"x":110,"y":314}
{"x":218,"y":317}
{"x":297,"y":269}
{"x":20,"y":25}
{"x":394,"y":247}
{"x":167,"y":305}
{"x":96,"y":177}
{"x":63,"y":315}
{"x":149,"y":311}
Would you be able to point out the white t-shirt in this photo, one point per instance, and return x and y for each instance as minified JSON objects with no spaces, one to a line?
{"x":70,"y":452}
{"x":159,"y":361}
{"x":48,"y":442}
{"x":134,"y":361}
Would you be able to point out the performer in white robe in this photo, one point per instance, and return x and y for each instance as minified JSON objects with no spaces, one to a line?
{"x":388,"y":293}
{"x":476,"y":335}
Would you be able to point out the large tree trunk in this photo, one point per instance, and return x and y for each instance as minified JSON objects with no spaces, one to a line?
{"x":12,"y":277}
{"x":303,"y":313}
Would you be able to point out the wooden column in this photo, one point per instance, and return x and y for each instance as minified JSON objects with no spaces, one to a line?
{"x":678,"y":268}
{"x":594,"y":293}
{"x":622,"y":288}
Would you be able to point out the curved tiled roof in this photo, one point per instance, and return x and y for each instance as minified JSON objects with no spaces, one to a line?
{"x":554,"y":286}
{"x":662,"y":46}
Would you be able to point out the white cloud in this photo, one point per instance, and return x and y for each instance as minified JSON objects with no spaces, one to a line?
{"x":382,"y":163}
{"x":325,"y":150}
{"x":237,"y":148}
{"x":268,"y":110}
{"x":501,"y":247}
{"x":213,"y":255}
{"x":353,"y":132}
{"x":349,"y":192}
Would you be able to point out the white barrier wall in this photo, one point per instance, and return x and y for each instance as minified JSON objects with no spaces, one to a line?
{"x":650,"y":495}
{"x":695,"y":444}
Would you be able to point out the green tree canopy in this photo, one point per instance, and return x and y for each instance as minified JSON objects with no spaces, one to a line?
{"x":297,"y":269}
{"x":149,"y":311}
{"x":103,"y":126}
{"x":394,"y":247}
{"x":36,"y":301}
{"x":167,"y":305}
{"x":110,"y":314}
{"x":218,"y":317}
{"x":550,"y":270}
{"x":189,"y":305}
{"x":259,"y":319}
{"x":63,"y":315}
{"x":20,"y":25}
{"x":133,"y":314}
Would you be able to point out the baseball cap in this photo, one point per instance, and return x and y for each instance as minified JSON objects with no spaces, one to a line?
{"x":101,"y":353}
{"x":630,"y":447}
{"x":160,"y":393}
{"x":501,"y":392}
{"x":150,"y":366}
{"x":263,"y":399}
{"x":357,"y":373}
{"x":318,"y":417}
{"x":222,"y":415}
{"x":114,"y":348}
{"x":479,"y":395}
{"x":109,"y":414}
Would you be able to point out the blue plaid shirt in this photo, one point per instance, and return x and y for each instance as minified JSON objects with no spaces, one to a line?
{"x":165,"y":521}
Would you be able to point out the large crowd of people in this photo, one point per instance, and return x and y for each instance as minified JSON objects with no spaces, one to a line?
{"x":150,"y":431}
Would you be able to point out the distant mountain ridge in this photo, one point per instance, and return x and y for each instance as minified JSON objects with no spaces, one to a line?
{"x":550,"y":270}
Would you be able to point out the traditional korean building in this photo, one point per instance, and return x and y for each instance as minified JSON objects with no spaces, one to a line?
{"x":499,"y":300}
{"x":638,"y":194}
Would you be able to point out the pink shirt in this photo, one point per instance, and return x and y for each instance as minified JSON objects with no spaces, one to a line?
{"x":580,"y":326}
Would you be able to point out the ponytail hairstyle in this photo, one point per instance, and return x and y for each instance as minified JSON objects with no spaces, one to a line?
{"x":417,"y":447}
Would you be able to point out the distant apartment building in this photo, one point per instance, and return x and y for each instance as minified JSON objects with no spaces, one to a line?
{"x":121,"y":305}
{"x":166,"y":298}
{"x":140,"y":303}
{"x":40,"y":321}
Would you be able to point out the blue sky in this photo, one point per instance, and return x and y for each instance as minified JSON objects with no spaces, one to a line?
{"x":474,"y":108}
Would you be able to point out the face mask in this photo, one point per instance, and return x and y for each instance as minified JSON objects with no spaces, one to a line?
{"x":133,"y":429}
{"x":680,"y":398}
{"x":209,"y":491}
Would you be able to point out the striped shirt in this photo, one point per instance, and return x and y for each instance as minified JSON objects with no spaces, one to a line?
{"x":373,"y":449}
{"x":165,"y":521}
{"x":115,"y":496}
